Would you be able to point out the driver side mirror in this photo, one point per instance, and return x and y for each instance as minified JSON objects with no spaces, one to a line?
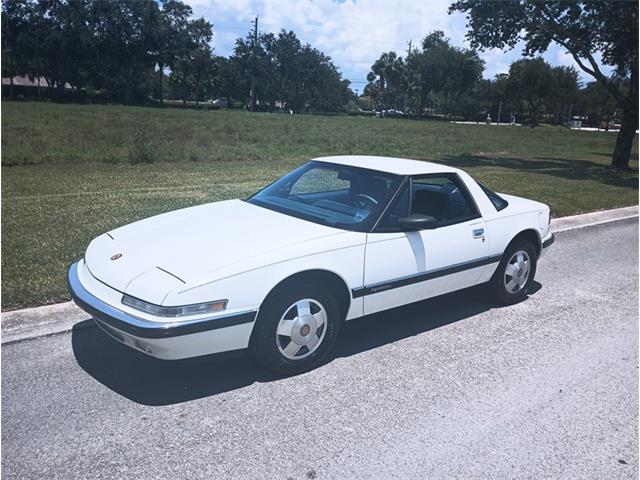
{"x":417,"y":221}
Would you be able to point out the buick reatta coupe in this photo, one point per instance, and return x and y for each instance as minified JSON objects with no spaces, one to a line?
{"x":279,"y":272}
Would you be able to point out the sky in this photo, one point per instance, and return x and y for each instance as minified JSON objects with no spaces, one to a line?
{"x":355,"y":32}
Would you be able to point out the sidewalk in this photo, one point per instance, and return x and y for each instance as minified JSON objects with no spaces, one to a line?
{"x":18,"y":325}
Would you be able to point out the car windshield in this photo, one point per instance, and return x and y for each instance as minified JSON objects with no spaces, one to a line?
{"x":335,"y":195}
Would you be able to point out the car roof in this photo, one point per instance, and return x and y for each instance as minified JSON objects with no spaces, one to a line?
{"x":399,"y":166}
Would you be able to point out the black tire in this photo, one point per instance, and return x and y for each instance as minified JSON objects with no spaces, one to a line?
{"x":264,"y":343}
{"x":498,"y":283}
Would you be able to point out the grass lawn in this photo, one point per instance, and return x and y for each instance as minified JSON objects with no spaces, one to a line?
{"x":67,"y":171}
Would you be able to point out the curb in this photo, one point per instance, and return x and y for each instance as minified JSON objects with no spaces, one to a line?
{"x":27,"y":323}
{"x":591,"y":219}
{"x":18,"y":325}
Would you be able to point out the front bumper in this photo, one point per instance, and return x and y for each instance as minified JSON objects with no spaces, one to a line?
{"x":547,"y":242}
{"x":163,"y":339}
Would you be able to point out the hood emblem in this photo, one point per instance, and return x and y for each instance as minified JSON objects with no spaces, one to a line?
{"x":116,"y":256}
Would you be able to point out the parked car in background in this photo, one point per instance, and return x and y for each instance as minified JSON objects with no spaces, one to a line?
{"x":390,"y":113}
{"x":278,"y":273}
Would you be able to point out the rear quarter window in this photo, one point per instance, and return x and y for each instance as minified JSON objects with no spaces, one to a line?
{"x":498,"y":202}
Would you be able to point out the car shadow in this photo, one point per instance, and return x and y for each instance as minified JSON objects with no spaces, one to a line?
{"x":148,"y":381}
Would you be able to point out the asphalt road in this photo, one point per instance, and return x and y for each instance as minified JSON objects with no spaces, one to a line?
{"x":447,"y":388}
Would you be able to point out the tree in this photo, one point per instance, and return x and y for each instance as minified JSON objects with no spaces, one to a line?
{"x":563,"y":93}
{"x":499,"y":94}
{"x":288,"y":73}
{"x":582,"y":28}
{"x":422,"y":77}
{"x":435,"y":40}
{"x":121,"y":50}
{"x":124,"y":37}
{"x":388,"y":72}
{"x":229,"y":82}
{"x":476,"y":103}
{"x":463,"y":70}
{"x":17,"y":44}
{"x":530,"y":80}
{"x":287,"y":76}
{"x":171,"y":37}
{"x":252,"y":62}
{"x":65,"y":43}
{"x":200,"y":55}
{"x":324,"y":88}
{"x":595,"y":103}
{"x":441,"y":68}
{"x":194,"y":65}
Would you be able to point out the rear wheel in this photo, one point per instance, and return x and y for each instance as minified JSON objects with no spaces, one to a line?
{"x":515,"y":274}
{"x":296,"y":329}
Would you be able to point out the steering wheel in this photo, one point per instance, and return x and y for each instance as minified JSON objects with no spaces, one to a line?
{"x":361,"y":200}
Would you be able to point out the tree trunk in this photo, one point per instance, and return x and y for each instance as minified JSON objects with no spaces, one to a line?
{"x":533,"y":110}
{"x":624,"y":142}
{"x":161,"y":68}
{"x":423,"y":101}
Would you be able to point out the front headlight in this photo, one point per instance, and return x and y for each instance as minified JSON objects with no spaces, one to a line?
{"x":179,"y":311}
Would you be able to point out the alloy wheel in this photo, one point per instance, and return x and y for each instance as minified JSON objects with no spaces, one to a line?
{"x":517,"y":271}
{"x":301,"y":329}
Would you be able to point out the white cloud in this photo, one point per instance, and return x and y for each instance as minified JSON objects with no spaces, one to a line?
{"x":353,"y":33}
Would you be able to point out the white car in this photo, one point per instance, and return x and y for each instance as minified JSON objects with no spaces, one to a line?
{"x":278,"y":273}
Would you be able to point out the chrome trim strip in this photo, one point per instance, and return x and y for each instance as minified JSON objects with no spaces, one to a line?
{"x":422,"y":277}
{"x":142,"y":328}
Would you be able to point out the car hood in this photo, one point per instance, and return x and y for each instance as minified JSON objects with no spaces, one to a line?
{"x":148,"y":258}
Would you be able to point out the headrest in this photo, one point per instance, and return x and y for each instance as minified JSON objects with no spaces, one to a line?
{"x":429,"y":202}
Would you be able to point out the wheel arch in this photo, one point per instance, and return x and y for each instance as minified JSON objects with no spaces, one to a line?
{"x":530,"y":235}
{"x":336,"y":284}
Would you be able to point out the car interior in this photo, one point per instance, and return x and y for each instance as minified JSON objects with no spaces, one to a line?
{"x":442,"y":199}
{"x":337,"y":196}
{"x":437,"y":197}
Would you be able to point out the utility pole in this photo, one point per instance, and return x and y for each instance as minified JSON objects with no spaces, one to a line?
{"x":406,"y":95}
{"x":499,"y":111}
{"x":253,"y":70}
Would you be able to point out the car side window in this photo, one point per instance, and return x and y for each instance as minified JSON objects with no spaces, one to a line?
{"x":498,"y":202}
{"x":399,"y":209}
{"x":443,"y":197}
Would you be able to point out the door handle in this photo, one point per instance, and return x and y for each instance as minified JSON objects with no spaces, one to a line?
{"x":478,"y":233}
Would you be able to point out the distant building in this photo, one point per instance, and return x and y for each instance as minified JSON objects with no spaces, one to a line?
{"x":25,"y":87}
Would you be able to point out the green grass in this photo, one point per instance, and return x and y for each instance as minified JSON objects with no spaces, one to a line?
{"x":68,"y":176}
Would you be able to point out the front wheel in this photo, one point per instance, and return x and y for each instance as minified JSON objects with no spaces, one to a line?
{"x":296,"y":329}
{"x":515,"y":274}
